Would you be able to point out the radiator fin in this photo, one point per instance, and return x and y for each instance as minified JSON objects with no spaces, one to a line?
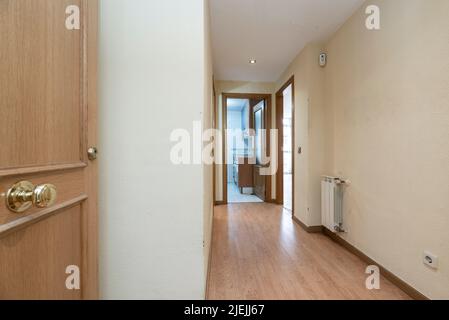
{"x":332,"y":204}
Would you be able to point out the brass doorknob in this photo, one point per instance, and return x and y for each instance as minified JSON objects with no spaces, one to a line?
{"x":23,"y":195}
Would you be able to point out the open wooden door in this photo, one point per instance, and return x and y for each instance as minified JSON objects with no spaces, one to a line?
{"x":48,"y":211}
{"x":259,"y":112}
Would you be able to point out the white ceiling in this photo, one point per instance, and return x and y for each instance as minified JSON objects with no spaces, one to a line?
{"x":271,"y":31}
{"x":236,"y":104}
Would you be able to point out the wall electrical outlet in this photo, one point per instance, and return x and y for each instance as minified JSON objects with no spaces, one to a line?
{"x":323,"y":60}
{"x":430,"y":260}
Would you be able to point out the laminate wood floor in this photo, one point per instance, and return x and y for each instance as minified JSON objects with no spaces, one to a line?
{"x":259,"y":253}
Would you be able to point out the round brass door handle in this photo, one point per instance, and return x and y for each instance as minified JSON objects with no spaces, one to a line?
{"x":23,"y":195}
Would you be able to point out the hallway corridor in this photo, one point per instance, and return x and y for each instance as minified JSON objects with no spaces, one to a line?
{"x":258,"y":252}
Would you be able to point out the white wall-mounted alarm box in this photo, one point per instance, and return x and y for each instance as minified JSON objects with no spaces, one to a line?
{"x":323,"y":59}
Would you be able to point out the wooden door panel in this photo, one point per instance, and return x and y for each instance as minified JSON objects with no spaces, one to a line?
{"x":70,"y":187}
{"x":41,"y":76}
{"x":37,"y":259}
{"x":259,"y":183}
{"x":47,"y":121}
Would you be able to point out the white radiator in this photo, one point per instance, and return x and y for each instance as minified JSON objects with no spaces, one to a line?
{"x":332,"y":203}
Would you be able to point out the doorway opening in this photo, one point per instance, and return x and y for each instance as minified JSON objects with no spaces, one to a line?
{"x":246,"y":123}
{"x":285,"y":125}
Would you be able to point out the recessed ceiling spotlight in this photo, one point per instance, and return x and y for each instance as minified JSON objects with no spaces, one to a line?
{"x":253,"y":61}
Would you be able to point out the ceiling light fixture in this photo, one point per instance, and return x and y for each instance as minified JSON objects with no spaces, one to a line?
{"x":252,"y":61}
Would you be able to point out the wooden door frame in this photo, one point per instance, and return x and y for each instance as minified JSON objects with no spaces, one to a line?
{"x":90,"y":216}
{"x":280,"y":127}
{"x":214,"y":125}
{"x":268,"y":120}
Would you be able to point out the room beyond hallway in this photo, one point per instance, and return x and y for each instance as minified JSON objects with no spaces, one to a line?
{"x":259,"y":253}
{"x":235,"y":195}
{"x":288,"y":191}
{"x":287,"y":148}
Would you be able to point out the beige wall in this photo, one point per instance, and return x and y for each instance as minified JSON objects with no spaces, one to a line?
{"x":378,"y":114}
{"x":389,"y":92}
{"x":310,"y":133}
{"x":239,"y":87}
